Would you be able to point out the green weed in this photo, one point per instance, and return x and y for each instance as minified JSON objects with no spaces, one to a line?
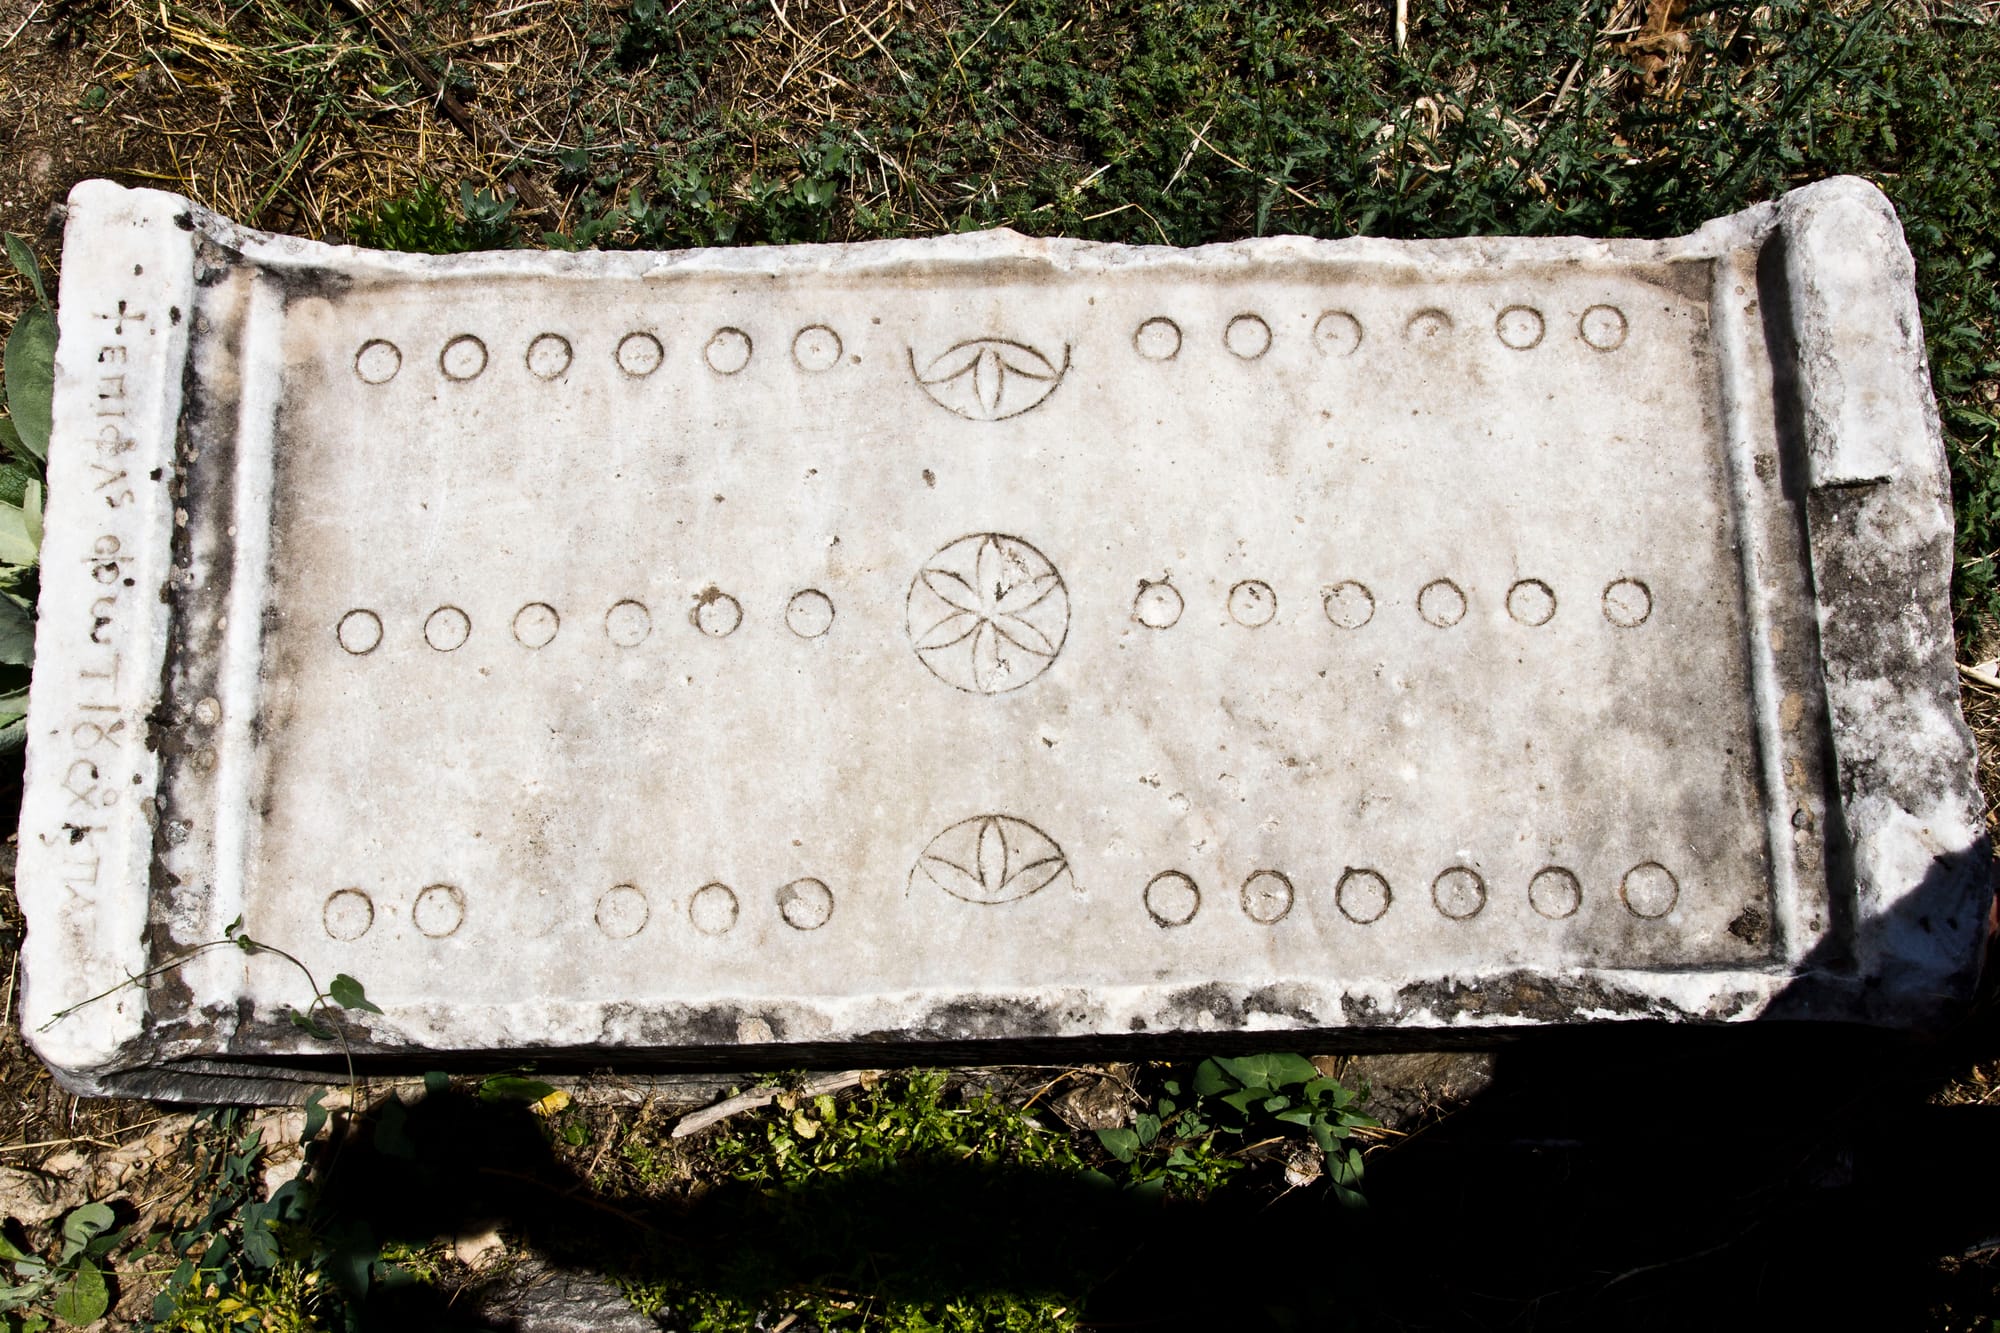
{"x":1249,"y":1098}
{"x":67,"y":1285}
{"x":424,"y":221}
{"x":24,"y":439}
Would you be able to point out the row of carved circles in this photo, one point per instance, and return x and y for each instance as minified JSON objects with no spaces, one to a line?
{"x":818,"y":347}
{"x":1648,"y":891}
{"x":620,"y":912}
{"x":548,"y":356}
{"x":1626,"y":603}
{"x":627,"y":624}
{"x":1339,"y":333}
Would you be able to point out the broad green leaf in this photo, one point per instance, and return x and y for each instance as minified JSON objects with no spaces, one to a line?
{"x":8,"y":1254}
{"x":31,"y":377}
{"x":260,"y":1243}
{"x":1148,"y":1127}
{"x":31,"y":513}
{"x":315,"y":1116}
{"x":1120,"y":1143}
{"x":436,"y":1081}
{"x":1210,"y":1079}
{"x":84,"y":1299}
{"x":1322,"y":1134}
{"x":16,"y":546}
{"x":17,"y":634}
{"x":1270,"y":1071}
{"x":1273,"y":1105}
{"x":13,"y":735}
{"x":23,"y":259}
{"x":14,"y":478}
{"x":346,"y":992}
{"x":313,"y":1025}
{"x":10,"y":440}
{"x":1240,"y":1100}
{"x":91,"y":1220}
{"x":1297,"y":1116}
{"x":513,"y":1088}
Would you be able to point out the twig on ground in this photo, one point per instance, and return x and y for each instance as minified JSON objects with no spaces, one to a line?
{"x":1978,"y":677}
{"x":761,"y":1097}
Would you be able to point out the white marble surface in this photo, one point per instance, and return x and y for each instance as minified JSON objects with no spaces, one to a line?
{"x":985,"y":639}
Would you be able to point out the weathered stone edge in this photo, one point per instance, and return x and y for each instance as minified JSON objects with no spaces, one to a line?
{"x":87,"y":805}
{"x":1879,"y":528}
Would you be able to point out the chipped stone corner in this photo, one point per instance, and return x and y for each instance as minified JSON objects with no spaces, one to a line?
{"x":1879,"y":524}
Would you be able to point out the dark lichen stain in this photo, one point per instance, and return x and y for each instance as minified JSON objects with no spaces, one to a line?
{"x":1184,"y":1008}
{"x":1521,"y":994}
{"x":304,"y":284}
{"x":984,"y":1019}
{"x":1749,"y":926}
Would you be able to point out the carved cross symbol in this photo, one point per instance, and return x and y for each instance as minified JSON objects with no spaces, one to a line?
{"x":123,"y":315}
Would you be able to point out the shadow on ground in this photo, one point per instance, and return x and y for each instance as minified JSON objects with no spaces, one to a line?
{"x":1773,"y":1177}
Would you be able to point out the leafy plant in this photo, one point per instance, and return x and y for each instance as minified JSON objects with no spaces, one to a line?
{"x":247,"y":1262}
{"x":343,"y":991}
{"x":424,"y":221}
{"x":1272,"y":1096}
{"x":24,"y":437}
{"x":69,"y":1287}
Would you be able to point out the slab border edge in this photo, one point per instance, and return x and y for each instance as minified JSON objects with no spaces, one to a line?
{"x":92,"y":772}
{"x":1913,"y":860}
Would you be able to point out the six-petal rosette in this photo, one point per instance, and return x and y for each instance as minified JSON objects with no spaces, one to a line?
{"x":988,"y":613}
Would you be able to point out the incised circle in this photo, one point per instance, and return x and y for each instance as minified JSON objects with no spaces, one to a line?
{"x":359,"y":631}
{"x":1459,"y":893}
{"x":1171,"y":898}
{"x":1555,"y":893}
{"x":805,"y":904}
{"x":1348,"y":605}
{"x":1362,"y":896}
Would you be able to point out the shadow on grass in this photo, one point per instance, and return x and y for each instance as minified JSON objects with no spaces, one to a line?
{"x":1773,"y":1177}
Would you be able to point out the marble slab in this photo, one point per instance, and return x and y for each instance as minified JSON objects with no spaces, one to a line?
{"x":950,"y":646}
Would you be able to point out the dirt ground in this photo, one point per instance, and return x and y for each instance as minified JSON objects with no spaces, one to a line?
{"x":1894,"y":1138}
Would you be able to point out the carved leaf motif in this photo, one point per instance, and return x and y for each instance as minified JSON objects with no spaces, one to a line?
{"x":989,"y":673}
{"x":954,"y":878}
{"x":1033,"y":877}
{"x":1023,"y":635}
{"x":954,"y":590}
{"x":952,"y":629}
{"x":992,"y":859}
{"x":988,"y":379}
{"x":1026,"y":595}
